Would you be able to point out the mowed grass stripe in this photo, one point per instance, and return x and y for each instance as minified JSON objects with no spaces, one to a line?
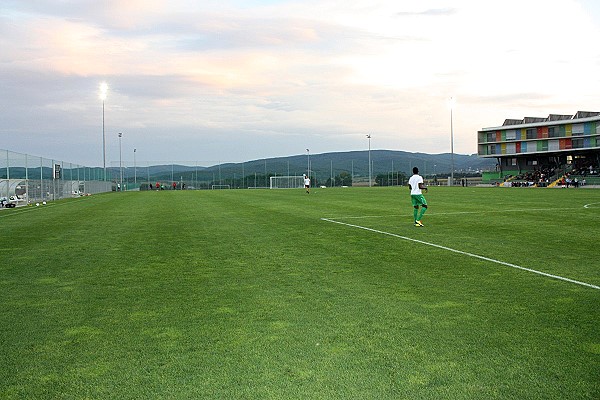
{"x":464,"y":253}
{"x":248,"y":294}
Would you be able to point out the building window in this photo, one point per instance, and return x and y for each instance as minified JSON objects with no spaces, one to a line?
{"x":577,"y":143}
{"x":553,"y":131}
{"x":531,"y":133}
{"x":577,"y":129}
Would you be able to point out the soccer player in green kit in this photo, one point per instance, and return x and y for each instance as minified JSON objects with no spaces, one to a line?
{"x":416,"y":185}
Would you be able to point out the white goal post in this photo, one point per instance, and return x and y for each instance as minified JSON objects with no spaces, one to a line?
{"x":213,"y":187}
{"x":286,"y":182}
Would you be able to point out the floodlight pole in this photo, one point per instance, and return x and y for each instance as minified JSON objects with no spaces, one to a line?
{"x":134,"y":169}
{"x":451,"y":141}
{"x":308,"y":163}
{"x":103,"y":143}
{"x":120,"y":162}
{"x":369,"y":137}
{"x":103,"y":91}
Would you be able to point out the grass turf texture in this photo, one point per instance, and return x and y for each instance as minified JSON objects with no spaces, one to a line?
{"x":249,"y":294}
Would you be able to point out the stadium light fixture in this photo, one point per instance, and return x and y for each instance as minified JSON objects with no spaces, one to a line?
{"x":103,"y":92}
{"x":369,"y":137}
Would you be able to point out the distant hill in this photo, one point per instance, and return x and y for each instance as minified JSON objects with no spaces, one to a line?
{"x":322,"y":165}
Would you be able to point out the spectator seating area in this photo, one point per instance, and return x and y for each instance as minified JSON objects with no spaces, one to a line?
{"x":549,"y":176}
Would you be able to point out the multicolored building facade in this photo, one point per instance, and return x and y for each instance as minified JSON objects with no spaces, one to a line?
{"x":521,"y":145}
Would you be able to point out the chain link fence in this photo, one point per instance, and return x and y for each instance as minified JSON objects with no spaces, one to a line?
{"x":25,"y":178}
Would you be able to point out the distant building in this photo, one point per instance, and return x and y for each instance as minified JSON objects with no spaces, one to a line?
{"x":524,"y":144}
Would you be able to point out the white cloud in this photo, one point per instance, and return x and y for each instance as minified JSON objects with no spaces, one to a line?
{"x":326,"y":71}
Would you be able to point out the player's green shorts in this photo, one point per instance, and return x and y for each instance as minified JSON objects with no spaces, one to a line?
{"x":418,"y":200}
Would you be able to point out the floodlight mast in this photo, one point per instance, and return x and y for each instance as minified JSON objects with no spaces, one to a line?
{"x":308,"y":163}
{"x":452,"y":102}
{"x":370,"y":172}
{"x":120,"y":163}
{"x":103,"y":92}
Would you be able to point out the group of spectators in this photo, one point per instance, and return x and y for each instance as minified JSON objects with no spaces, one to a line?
{"x":539,"y":177}
{"x":543,"y":176}
{"x":159,"y":186}
{"x":567,"y":181}
{"x":586,"y":169}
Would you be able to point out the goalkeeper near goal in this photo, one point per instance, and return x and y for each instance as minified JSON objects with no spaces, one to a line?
{"x":416,"y":185}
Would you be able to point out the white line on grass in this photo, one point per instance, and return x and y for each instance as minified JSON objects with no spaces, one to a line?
{"x":465,"y":253}
{"x":16,"y":212}
{"x":30,"y":208}
{"x":431,"y":214}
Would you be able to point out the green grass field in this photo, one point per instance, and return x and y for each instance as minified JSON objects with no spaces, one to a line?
{"x":250,"y":294}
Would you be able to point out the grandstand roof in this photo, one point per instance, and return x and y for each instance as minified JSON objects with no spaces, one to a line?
{"x":550,"y":118}
{"x":586,"y":114}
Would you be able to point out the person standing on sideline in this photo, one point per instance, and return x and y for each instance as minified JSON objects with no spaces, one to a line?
{"x":416,"y":185}
{"x":307,"y":183}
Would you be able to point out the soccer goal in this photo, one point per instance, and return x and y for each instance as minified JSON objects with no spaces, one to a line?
{"x":220,"y":187}
{"x":287,"y":182}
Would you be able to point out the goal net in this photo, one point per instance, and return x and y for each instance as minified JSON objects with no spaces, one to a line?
{"x":220,"y":187}
{"x":287,"y":182}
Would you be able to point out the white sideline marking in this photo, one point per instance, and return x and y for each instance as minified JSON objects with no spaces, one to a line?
{"x":466,"y":254}
{"x":431,"y":214}
{"x":30,"y":208}
{"x":17,"y":212}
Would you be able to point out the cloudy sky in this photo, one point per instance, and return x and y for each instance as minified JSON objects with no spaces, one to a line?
{"x":237,"y":80}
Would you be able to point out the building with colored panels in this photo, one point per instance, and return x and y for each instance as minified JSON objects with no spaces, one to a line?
{"x":525,"y":144}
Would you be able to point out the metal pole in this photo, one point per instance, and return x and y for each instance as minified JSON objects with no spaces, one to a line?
{"x":308,"y":163}
{"x":369,"y":137}
{"x":53,"y":182}
{"x":134,"y":169}
{"x":42,"y":178}
{"x":332,"y":183}
{"x":7,"y":175}
{"x":120,"y":163}
{"x":103,"y":143}
{"x":451,"y":142}
{"x":103,"y":91}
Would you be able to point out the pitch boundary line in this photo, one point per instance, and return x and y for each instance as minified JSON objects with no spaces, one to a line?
{"x":30,"y":208}
{"x":432,"y":214}
{"x":465,"y":253}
